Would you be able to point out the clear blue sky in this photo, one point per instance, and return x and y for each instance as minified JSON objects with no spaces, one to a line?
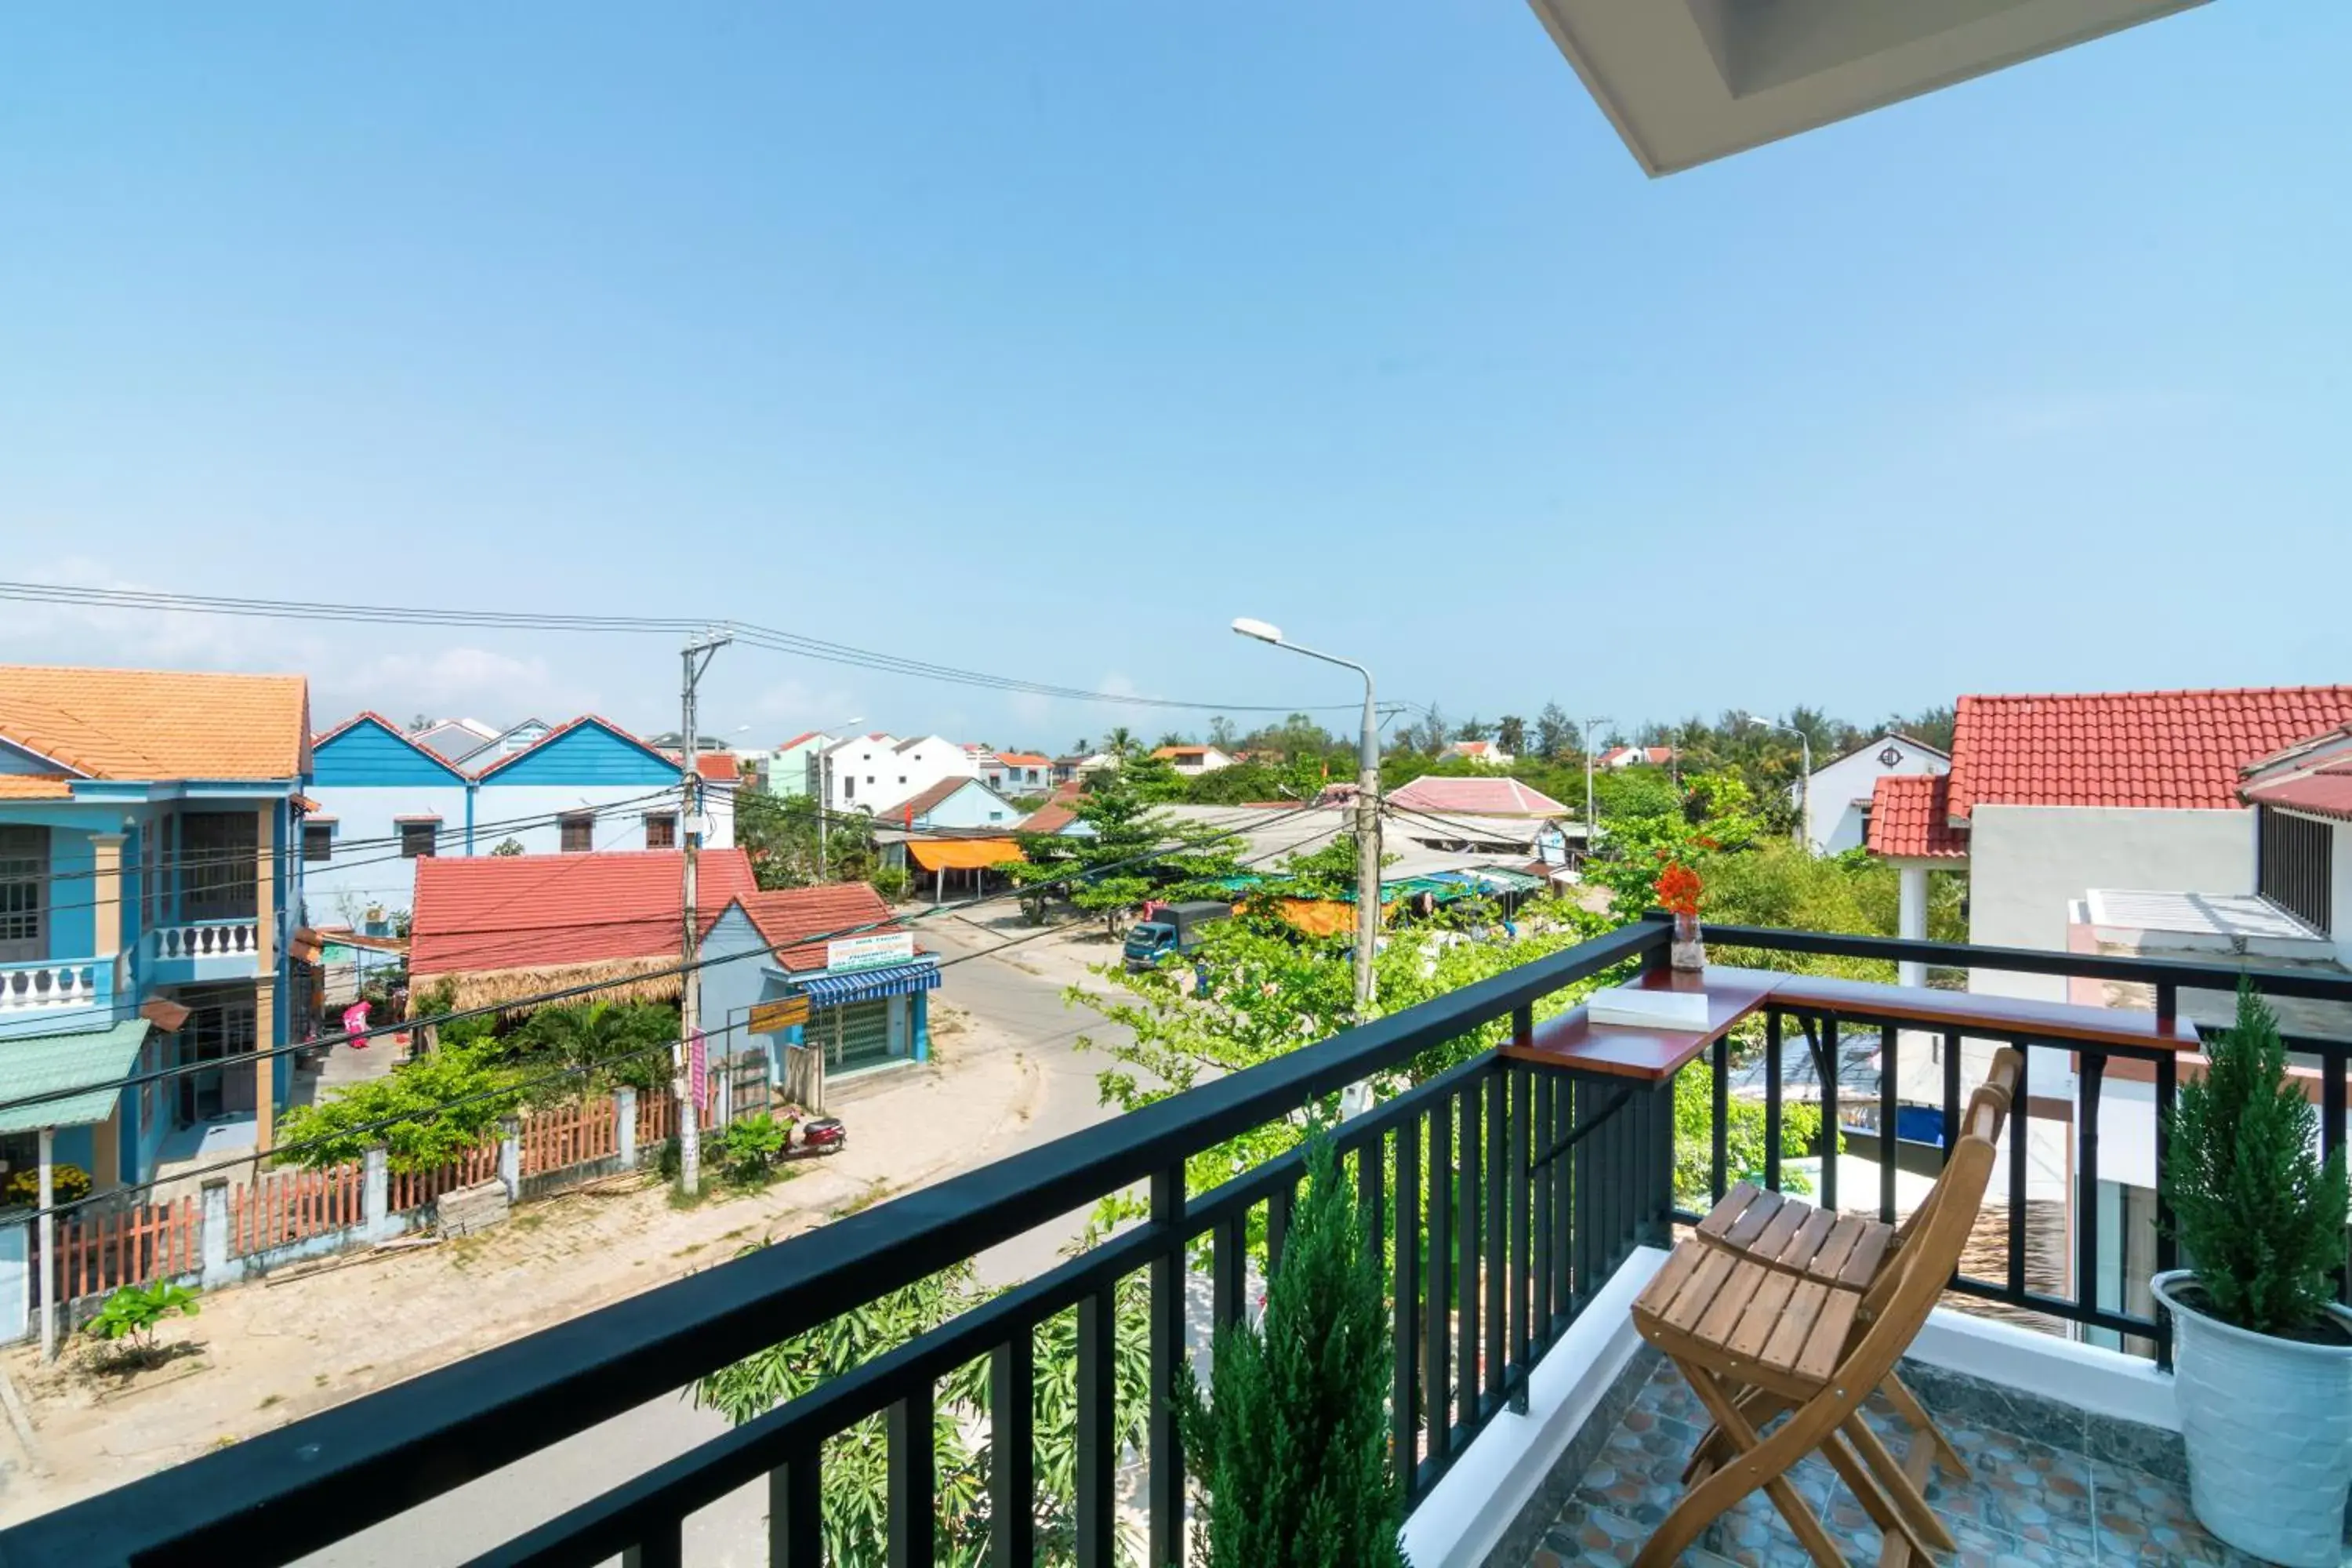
{"x":1048,"y":339}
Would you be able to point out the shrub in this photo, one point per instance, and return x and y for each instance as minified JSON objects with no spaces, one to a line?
{"x":747,"y":1149}
{"x":2260,"y":1217}
{"x":132,"y":1313}
{"x":1292,"y":1443}
{"x":892,"y":882}
{"x":68,"y":1183}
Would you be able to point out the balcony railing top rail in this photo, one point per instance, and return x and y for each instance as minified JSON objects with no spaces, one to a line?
{"x":1499,"y":1243}
{"x":321,"y":1478}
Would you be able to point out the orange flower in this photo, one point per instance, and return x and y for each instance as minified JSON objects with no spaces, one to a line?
{"x":1678,"y":889}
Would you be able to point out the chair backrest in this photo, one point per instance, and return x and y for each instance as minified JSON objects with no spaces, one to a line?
{"x":1992,"y":1097}
{"x":1906,"y":1290}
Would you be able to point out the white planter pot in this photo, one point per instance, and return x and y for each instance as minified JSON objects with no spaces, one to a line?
{"x":2268,"y":1424}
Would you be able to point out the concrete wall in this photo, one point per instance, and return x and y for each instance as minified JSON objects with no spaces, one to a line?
{"x":371,"y":871}
{"x":620,"y":811}
{"x":2339,"y":914}
{"x":2027,"y":862}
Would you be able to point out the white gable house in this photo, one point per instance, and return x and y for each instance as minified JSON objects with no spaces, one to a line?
{"x":1836,"y":800}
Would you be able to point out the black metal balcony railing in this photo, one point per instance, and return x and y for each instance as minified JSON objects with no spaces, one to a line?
{"x":1507,"y":1196}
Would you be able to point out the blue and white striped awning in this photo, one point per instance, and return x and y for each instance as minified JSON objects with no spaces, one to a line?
{"x":872,"y":984}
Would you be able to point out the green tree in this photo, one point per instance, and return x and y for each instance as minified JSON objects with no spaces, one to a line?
{"x":780,"y":834}
{"x":1121,"y":742}
{"x":1555,"y":736}
{"x":1221,"y":733}
{"x":1474,"y":728}
{"x":1511,"y":734}
{"x":425,"y":1112}
{"x":507,"y":847}
{"x":1291,"y":1442}
{"x":855,"y":1470}
{"x":1131,"y":855}
{"x":2260,"y":1216}
{"x":608,"y":1044}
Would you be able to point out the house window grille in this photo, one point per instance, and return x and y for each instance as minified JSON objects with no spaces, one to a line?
{"x":2291,"y":856}
{"x":579,"y":832}
{"x":419,"y":840}
{"x":661,"y":830}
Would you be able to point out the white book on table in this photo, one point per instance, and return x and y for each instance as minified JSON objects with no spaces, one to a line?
{"x":1637,"y":1007}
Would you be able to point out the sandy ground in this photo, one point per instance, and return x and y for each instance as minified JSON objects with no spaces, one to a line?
{"x":264,"y":1354}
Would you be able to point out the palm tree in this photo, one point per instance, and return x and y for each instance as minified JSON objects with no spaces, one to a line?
{"x":1121,"y":742}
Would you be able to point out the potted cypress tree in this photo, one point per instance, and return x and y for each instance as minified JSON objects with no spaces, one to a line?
{"x":1291,"y":1442}
{"x":2262,"y":1350}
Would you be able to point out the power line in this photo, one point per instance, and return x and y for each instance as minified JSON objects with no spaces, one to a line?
{"x":768,"y":638}
{"x":583,"y":988}
{"x":518,"y":1089}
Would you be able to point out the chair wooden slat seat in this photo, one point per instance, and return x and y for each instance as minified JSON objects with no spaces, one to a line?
{"x":1776,"y":1306}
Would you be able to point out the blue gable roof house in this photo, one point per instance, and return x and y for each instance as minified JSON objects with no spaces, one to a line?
{"x":150,"y":889}
{"x":590,"y":784}
{"x":384,"y":800}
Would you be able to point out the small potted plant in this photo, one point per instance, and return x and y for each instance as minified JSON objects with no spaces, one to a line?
{"x":1678,"y":888}
{"x":2262,"y":1353}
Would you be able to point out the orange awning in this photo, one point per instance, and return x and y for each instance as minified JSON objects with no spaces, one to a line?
{"x":962,"y":854}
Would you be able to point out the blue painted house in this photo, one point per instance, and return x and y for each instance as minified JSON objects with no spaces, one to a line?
{"x":386,"y":799}
{"x":151,"y":884}
{"x":837,"y":948}
{"x":953,"y":806}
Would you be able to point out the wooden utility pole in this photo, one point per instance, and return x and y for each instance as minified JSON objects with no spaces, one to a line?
{"x":696,"y":656}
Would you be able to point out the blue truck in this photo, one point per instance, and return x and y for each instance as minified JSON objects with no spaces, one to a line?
{"x":1172,"y":931}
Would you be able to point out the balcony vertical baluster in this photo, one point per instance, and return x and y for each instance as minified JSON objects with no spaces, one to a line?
{"x":1013,"y":1445}
{"x":1469,"y":1241}
{"x":1437,"y":1381}
{"x":1825,"y":1063}
{"x":1772,"y":1098}
{"x":2088,"y":1083}
{"x":1098,"y":1383}
{"x":914,"y":1480}
{"x":2020,"y":1131}
{"x":1404,"y":1401}
{"x":1718,"y":1159}
{"x":1888,"y":1072}
{"x":1545,"y":1218}
{"x":1518,"y":1082}
{"x":1165,"y":1499}
{"x":796,"y":1500}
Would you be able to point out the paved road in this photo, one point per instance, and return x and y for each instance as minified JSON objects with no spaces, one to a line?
{"x":1025,"y":1006}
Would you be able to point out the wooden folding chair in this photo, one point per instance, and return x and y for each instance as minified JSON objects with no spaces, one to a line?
{"x":1851,"y":1250}
{"x":1754,"y":1340}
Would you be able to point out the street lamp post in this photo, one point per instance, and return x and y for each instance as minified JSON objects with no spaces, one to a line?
{"x":1591,"y":824}
{"x":1804,"y":782}
{"x":1358,"y":1097}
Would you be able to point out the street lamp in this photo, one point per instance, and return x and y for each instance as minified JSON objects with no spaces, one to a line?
{"x":1804,"y":784}
{"x":824,"y":797}
{"x":1358,"y":1097}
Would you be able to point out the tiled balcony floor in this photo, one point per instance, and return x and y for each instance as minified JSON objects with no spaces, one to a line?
{"x":2030,"y":1503}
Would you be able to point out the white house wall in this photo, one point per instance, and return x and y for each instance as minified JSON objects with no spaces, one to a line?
{"x":619,"y":814}
{"x":1839,"y":790}
{"x":367,"y":868}
{"x":2027,"y":863}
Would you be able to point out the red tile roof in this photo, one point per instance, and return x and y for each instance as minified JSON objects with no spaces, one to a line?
{"x":789,"y":917}
{"x":1050,"y":817}
{"x":717,"y":765}
{"x":475,"y":913}
{"x":1477,"y":797}
{"x":803,"y":735}
{"x":1910,"y":815}
{"x":2182,"y":749}
{"x":1023,"y":760}
{"x":2324,"y":792}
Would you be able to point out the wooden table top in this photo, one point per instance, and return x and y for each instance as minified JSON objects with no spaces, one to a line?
{"x":1626,"y":1050}
{"x":1572,"y":1041}
{"x":1970,"y":1011}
